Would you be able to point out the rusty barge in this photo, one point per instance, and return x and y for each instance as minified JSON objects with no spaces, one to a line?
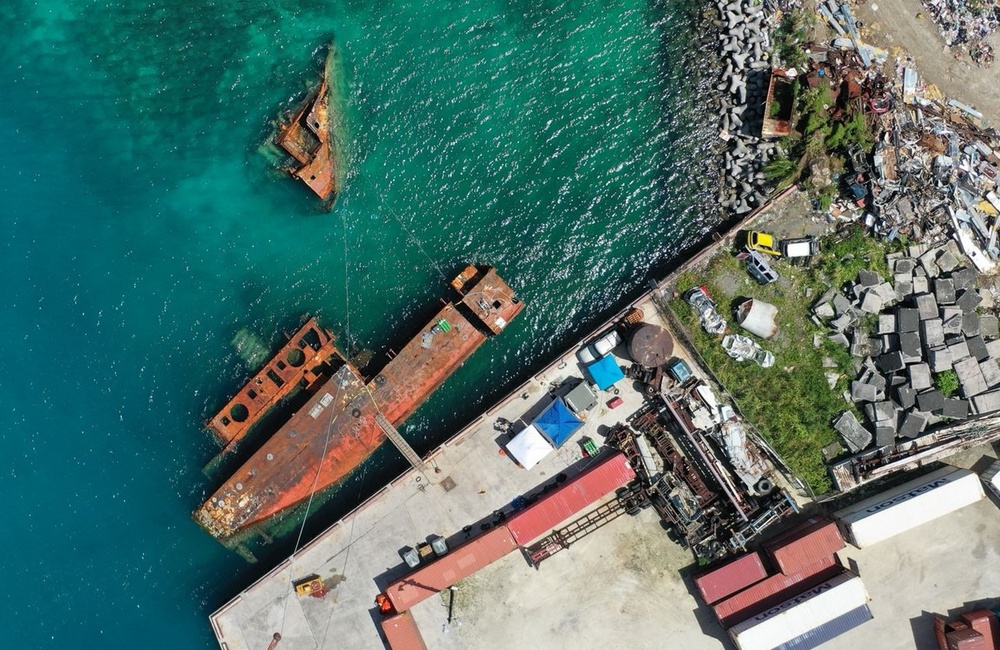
{"x":307,"y":137}
{"x":338,"y":428}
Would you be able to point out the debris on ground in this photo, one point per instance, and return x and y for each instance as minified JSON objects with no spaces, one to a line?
{"x":967,"y":26}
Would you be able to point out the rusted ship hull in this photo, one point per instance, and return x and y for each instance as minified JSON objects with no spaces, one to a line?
{"x":308,"y":138}
{"x":336,"y":430}
{"x":299,"y":364}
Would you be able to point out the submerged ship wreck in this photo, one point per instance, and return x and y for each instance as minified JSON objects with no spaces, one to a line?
{"x":338,"y":426}
{"x":309,"y":139}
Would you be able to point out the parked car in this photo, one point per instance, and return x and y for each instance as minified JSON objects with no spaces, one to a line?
{"x":599,"y":347}
{"x":801,"y":247}
{"x":763,"y":243}
{"x":679,"y":370}
{"x":704,"y":306}
{"x":760,"y":269}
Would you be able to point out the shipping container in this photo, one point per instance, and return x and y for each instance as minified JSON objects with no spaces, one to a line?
{"x":805,"y":544}
{"x":458,"y":564}
{"x":570,"y":498}
{"x":730,"y":578}
{"x":940,"y":633}
{"x":909,"y":505}
{"x":991,"y":478}
{"x":967,"y":639}
{"x":808,"y":619}
{"x":401,"y":632}
{"x":773,"y":590}
{"x":985,"y":622}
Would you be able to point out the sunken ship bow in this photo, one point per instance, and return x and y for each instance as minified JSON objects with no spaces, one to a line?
{"x":346,"y":415}
{"x":308,"y":138}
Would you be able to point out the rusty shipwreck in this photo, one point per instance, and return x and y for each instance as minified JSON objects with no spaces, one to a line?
{"x":308,"y":137}
{"x":338,"y":427}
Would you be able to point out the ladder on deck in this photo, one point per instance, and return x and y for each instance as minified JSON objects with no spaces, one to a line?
{"x":396,"y":439}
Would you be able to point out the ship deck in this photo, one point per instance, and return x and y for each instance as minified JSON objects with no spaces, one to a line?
{"x":338,"y":425}
{"x":296,"y":364}
{"x":466,"y":480}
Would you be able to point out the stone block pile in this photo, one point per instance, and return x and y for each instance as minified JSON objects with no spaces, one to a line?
{"x":929,"y":322}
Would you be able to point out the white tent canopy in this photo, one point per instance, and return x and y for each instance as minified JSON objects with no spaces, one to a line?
{"x":529,"y":447}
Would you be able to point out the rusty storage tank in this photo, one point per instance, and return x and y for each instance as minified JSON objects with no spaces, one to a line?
{"x":651,"y":345}
{"x":757,"y":317}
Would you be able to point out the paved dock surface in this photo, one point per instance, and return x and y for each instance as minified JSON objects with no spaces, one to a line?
{"x":465,"y":481}
{"x":626,"y":585}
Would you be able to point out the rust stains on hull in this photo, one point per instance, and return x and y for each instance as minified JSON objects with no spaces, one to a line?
{"x":336,"y":430}
{"x":307,"y":138}
{"x":296,"y":365}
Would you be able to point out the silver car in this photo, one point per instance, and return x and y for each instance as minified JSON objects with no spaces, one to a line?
{"x":711,"y":320}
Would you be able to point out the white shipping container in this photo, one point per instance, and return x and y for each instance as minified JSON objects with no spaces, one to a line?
{"x":991,"y":477}
{"x":909,"y":505}
{"x":817,"y":615}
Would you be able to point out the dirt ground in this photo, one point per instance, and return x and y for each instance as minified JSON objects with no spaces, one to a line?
{"x":622,"y":587}
{"x":893,"y":24}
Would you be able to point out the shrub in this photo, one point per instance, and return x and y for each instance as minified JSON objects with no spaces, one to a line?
{"x":947,"y":383}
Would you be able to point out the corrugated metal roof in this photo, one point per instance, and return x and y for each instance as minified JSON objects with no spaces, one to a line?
{"x":805,"y":544}
{"x":574,"y":495}
{"x":967,"y":639}
{"x":459,"y":563}
{"x":807,"y":619}
{"x":730,"y":578}
{"x":828,"y":631}
{"x":985,"y":622}
{"x":773,"y":590}
{"x":402,"y":633}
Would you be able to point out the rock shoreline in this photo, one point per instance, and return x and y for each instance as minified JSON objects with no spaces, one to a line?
{"x":745,"y":64}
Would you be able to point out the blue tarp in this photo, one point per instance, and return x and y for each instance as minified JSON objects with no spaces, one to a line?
{"x":605,"y":372}
{"x":557,"y":422}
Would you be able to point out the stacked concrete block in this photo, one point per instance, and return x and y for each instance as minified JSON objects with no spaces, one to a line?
{"x":970,"y":377}
{"x":928,"y":323}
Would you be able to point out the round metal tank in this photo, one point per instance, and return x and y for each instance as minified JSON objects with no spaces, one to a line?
{"x":651,"y":345}
{"x":757,"y":317}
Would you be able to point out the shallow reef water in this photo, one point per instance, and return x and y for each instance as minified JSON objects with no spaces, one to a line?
{"x":144,"y":229}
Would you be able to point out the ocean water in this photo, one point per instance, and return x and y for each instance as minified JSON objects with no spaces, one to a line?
{"x":143,"y":226}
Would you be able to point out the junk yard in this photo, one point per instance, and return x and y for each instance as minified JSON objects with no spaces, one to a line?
{"x":785,"y":443}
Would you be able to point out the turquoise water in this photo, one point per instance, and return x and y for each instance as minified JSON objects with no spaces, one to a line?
{"x":563,"y":143}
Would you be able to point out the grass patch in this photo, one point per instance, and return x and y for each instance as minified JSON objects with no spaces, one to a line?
{"x":792,"y":31}
{"x":947,"y":382}
{"x":791,"y":404}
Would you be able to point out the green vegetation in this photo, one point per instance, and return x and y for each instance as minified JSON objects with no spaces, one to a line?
{"x":854,"y":131}
{"x":791,"y":404}
{"x":844,"y":257}
{"x":780,"y":169}
{"x":789,"y":36}
{"x":825,"y":197}
{"x":947,"y":382}
{"x":817,"y":149}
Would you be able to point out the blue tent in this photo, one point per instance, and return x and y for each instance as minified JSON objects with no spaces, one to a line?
{"x":557,"y":422}
{"x":605,"y":372}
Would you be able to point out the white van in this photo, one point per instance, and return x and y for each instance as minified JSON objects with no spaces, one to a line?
{"x":801,"y":247}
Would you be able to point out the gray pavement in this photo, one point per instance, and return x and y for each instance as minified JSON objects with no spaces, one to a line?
{"x":359,"y":555}
{"x":624,"y":587}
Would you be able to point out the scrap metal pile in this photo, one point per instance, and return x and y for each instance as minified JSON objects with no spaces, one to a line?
{"x":701,"y":469}
{"x":935,"y":173}
{"x":967,"y":23}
